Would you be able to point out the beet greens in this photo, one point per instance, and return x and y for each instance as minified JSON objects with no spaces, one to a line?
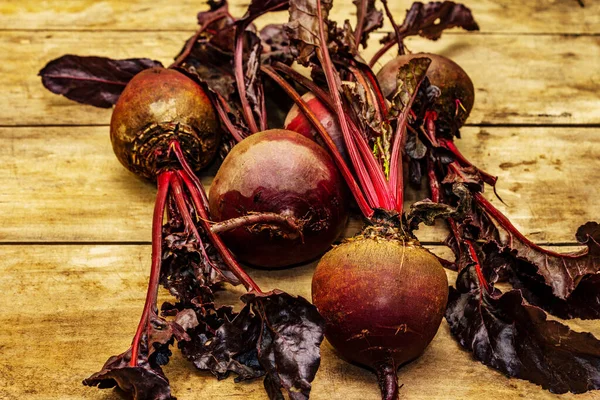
{"x":276,"y":335}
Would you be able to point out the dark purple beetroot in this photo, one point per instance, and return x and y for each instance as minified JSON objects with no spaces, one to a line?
{"x":383,"y":301}
{"x":157,"y":106}
{"x":283,"y":172}
{"x":444,"y":73}
{"x":296,"y":121}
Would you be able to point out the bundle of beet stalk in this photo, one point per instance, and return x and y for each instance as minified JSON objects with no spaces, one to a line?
{"x":281,"y":197}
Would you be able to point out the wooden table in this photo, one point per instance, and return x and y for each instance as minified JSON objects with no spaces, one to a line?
{"x":75,"y":231}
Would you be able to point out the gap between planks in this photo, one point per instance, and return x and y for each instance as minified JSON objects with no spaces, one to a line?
{"x":148,"y":243}
{"x":382,"y":31}
{"x":475,"y":125}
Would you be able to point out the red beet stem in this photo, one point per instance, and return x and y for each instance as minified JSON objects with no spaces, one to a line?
{"x":396,"y":180}
{"x":374,"y":170}
{"x":434,"y":183}
{"x":375,"y":173}
{"x":451,"y":146}
{"x":157,"y":220}
{"x":200,"y":201}
{"x":190,"y":44}
{"x":222,"y":109}
{"x":360,"y":79}
{"x":176,"y":147}
{"x":474,"y":257}
{"x":434,"y":188}
{"x":333,"y":84}
{"x":508,"y":226}
{"x":360,"y":22}
{"x":257,"y":218}
{"x":384,"y":49}
{"x":239,"y":79}
{"x":306,"y":82}
{"x":376,"y":88}
{"x":235,"y":268}
{"x":354,"y":188}
{"x":397,"y":29}
{"x":388,"y":381}
{"x":429,"y":127}
{"x":182,"y":207}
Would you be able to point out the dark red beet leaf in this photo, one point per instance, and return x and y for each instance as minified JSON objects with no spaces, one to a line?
{"x":146,"y":380}
{"x":276,"y":44}
{"x":217,"y":17}
{"x":260,"y":7}
{"x":506,"y":333}
{"x":428,"y":20}
{"x":96,"y":81}
{"x":275,"y":334}
{"x":561,"y":272}
{"x":583,"y":302}
{"x":427,"y":211}
{"x":431,"y":19}
{"x":249,"y":82}
{"x":368,"y":19}
{"x":291,"y":333}
{"x":186,"y":271}
{"x":224,"y":342}
{"x":211,"y":65}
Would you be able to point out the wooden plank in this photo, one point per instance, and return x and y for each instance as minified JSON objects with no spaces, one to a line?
{"x":67,"y":308}
{"x":65,"y":184}
{"x":493,"y":15}
{"x":518,"y":79}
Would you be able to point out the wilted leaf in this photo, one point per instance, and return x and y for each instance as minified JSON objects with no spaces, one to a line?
{"x":431,"y":19}
{"x":303,"y":26}
{"x":409,"y":78}
{"x":146,"y":380}
{"x":275,"y":334}
{"x":560,"y":271}
{"x":276,"y":44}
{"x":225,"y":342}
{"x":427,"y":211}
{"x":583,"y":302}
{"x":368,"y":19}
{"x":506,"y":333}
{"x":291,"y":333}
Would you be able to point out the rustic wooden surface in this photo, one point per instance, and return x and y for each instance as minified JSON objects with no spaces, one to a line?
{"x":74,"y":238}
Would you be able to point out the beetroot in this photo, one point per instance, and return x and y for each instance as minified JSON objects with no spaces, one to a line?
{"x":457,"y":91}
{"x":382,"y":294}
{"x":157,"y":106}
{"x":296,"y":121}
{"x":387,"y":324}
{"x":282,"y":172}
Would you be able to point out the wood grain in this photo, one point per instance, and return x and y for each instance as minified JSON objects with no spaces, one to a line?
{"x":534,"y":16}
{"x":68,"y":308}
{"x":65,"y":308}
{"x":518,"y":79}
{"x":65,"y":184}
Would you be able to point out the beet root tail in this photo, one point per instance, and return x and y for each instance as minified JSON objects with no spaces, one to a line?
{"x":388,"y":381}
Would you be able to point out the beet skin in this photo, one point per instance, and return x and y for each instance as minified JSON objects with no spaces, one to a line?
{"x":383,"y":300}
{"x":157,"y":106}
{"x":282,"y":172}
